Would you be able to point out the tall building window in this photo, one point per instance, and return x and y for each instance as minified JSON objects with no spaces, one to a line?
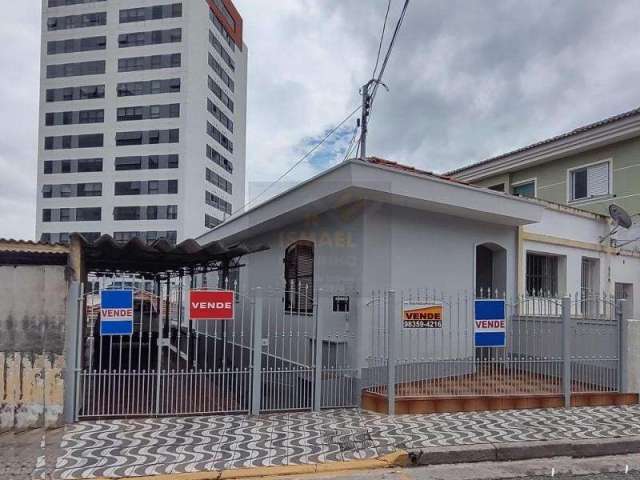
{"x":74,"y":118}
{"x":218,"y":159}
{"x":149,"y":187}
{"x":75,"y":93}
{"x":146,"y":112}
{"x":72,"y":166}
{"x":150,"y":87}
{"x":210,"y":221}
{"x":77,"y":69}
{"x":72,"y":190}
{"x":72,"y":45}
{"x":219,"y":115}
{"x":218,"y":181}
{"x":224,"y":76}
{"x":222,"y":96}
{"x":148,"y":236}
{"x":155,"y":12}
{"x":151,"y":212}
{"x":217,"y":202}
{"x":149,"y":137}
{"x":74,"y":141}
{"x":150,"y":162}
{"x":298,"y":277}
{"x":219,"y":137}
{"x":77,"y":21}
{"x":217,"y":46}
{"x":154,"y":37}
{"x":66,"y":3}
{"x":153,"y":62}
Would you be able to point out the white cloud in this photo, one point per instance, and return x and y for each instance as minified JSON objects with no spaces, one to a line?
{"x":468,"y":80}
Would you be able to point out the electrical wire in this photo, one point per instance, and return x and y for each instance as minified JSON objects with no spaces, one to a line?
{"x":350,"y":147}
{"x":302,"y":159}
{"x":389,"y":50}
{"x":384,"y":27}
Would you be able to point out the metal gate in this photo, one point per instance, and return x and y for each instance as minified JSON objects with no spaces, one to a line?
{"x":265,"y":359}
{"x":553,"y":346}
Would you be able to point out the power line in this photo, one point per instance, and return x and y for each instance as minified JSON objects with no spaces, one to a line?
{"x":369,"y":96}
{"x":302,"y":159}
{"x":390,"y":49}
{"x":384,"y":27}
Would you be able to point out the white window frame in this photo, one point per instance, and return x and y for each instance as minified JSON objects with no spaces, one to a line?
{"x":588,"y":199}
{"x":523,"y":182}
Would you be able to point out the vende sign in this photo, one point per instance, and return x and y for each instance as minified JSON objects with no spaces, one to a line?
{"x":116,"y":312}
{"x":211,"y":304}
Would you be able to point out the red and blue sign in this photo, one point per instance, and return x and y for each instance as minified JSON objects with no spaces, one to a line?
{"x":490,"y":326}
{"x":116,"y":312}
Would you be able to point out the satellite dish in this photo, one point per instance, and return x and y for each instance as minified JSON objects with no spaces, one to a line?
{"x":620,"y":216}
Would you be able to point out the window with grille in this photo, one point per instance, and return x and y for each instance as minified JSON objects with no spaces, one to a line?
{"x":542,"y":275}
{"x":298,"y":276}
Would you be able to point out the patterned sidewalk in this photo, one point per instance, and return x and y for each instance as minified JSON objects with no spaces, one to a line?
{"x":193,"y":444}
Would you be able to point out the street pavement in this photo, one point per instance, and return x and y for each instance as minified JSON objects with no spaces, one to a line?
{"x":562,"y":468}
{"x":21,"y":453}
{"x":173,"y":445}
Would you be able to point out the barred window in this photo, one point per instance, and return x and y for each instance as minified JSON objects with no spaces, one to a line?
{"x":542,"y":275}
{"x":298,"y":277}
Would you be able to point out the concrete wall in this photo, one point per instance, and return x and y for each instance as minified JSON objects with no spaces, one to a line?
{"x":32,"y":322}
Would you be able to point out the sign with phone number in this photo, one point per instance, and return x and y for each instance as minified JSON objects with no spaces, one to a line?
{"x":422,"y":316}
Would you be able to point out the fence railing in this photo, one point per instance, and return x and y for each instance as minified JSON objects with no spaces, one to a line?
{"x":547,"y":350}
{"x":269,"y":357}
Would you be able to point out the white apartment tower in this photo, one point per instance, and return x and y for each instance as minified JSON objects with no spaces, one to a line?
{"x":142,"y":118}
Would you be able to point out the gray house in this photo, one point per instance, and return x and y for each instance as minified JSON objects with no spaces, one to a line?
{"x":367,"y":226}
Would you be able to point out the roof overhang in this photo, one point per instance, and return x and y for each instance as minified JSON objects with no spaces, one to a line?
{"x":356,"y":180}
{"x":563,"y":146}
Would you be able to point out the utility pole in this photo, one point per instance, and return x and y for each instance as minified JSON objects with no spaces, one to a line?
{"x":364,"y":118}
{"x":367,"y":98}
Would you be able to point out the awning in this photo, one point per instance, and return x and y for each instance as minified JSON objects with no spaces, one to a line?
{"x":159,"y":257}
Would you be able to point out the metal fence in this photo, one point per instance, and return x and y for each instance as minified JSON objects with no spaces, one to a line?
{"x":266,"y":359}
{"x":553,"y":346}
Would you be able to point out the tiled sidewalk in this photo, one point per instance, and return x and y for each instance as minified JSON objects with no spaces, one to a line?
{"x":191,"y":444}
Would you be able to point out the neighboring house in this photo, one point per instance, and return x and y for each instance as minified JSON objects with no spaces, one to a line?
{"x":588,"y":168}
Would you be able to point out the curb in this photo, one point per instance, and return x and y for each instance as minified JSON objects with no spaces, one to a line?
{"x":499,"y":452}
{"x":398,"y":458}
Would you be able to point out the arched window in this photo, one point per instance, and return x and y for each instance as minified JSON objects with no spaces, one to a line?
{"x":298,"y":276}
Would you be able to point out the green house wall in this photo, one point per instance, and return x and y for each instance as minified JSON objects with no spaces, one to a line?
{"x":551,"y":177}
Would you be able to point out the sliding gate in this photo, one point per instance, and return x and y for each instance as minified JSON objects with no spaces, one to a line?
{"x":265,"y":359}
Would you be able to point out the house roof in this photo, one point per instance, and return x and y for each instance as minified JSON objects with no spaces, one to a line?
{"x":27,"y":252}
{"x":581,"y":138}
{"x":105,"y":254}
{"x":377,"y":180}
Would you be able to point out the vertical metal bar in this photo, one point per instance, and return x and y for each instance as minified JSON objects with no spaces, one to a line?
{"x":566,"y":350}
{"x":317,"y":384}
{"x":621,"y":315}
{"x":256,"y":391}
{"x":391,"y":359}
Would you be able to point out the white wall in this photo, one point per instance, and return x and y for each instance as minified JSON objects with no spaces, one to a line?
{"x":587,"y":229}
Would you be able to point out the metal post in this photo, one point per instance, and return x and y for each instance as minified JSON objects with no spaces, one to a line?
{"x":566,"y":350}
{"x":623,"y":347}
{"x":364,"y":119}
{"x":391,"y":360}
{"x":256,"y":388}
{"x":73,"y":339}
{"x":317,"y":384}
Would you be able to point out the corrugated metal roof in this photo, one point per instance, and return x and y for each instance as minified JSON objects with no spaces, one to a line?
{"x":585,"y":128}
